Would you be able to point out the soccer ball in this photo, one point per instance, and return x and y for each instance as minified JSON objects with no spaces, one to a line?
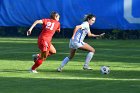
{"x":105,"y":70}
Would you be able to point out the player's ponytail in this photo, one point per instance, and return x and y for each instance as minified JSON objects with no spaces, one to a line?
{"x":88,"y":17}
{"x":54,"y":14}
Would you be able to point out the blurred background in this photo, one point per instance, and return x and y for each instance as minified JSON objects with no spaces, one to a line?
{"x":119,"y":19}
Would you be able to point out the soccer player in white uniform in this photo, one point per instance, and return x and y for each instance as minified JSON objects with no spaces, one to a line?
{"x":76,"y":42}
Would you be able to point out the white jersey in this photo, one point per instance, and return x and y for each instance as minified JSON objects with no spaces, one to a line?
{"x":81,"y":33}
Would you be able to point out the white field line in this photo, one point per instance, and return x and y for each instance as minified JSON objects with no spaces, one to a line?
{"x":80,"y":78}
{"x":94,"y":78}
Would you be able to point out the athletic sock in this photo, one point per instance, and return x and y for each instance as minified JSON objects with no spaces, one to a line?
{"x":88,"y":58}
{"x":37,"y":64}
{"x":64,"y":62}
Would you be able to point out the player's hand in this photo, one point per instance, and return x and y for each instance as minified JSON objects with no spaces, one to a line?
{"x":72,"y":38}
{"x":102,"y":34}
{"x":28,"y":32}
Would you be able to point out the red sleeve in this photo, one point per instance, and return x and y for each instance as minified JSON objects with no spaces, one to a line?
{"x":44,"y":21}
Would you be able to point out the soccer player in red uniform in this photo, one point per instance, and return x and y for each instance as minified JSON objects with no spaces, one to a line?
{"x":49,"y":27}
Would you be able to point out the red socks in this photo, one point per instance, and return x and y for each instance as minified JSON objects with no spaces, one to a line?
{"x":39,"y":61}
{"x":37,"y":64}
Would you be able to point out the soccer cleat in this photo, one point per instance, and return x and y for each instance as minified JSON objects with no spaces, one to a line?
{"x":59,"y":69}
{"x":33,"y":71}
{"x":85,"y":67}
{"x":35,"y":57}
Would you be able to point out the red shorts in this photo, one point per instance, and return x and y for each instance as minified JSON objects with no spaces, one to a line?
{"x":43,"y":45}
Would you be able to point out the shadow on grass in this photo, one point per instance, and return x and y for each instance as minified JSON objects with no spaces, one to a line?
{"x":42,"y":85}
{"x":110,"y":51}
{"x":86,"y":74}
{"x":114,"y":74}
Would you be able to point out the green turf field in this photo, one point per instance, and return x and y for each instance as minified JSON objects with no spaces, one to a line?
{"x":123,"y":57}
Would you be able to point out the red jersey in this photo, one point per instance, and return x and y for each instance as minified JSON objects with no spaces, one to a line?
{"x":50,"y":26}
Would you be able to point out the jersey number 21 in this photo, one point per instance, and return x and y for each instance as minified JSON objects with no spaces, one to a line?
{"x":50,"y":25}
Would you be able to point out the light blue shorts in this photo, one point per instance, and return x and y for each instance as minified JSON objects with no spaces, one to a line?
{"x":75,"y":45}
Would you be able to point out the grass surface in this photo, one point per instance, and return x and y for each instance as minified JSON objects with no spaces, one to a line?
{"x":123,"y":57}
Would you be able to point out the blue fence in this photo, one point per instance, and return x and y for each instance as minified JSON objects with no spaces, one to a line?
{"x":111,"y":14}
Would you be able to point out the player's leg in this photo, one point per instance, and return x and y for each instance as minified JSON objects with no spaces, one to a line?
{"x":36,"y":56}
{"x":44,"y":47}
{"x":39,"y":58}
{"x":44,"y":54}
{"x":67,"y":59}
{"x":91,"y":50}
{"x":52,"y":50}
{"x":38,"y":62}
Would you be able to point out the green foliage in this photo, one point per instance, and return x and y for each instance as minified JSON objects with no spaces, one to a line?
{"x":111,"y":34}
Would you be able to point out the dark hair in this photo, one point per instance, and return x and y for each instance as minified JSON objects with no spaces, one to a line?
{"x":53,"y":14}
{"x":88,"y":17}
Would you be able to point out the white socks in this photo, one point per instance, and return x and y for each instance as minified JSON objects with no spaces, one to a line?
{"x":88,"y":58}
{"x":64,"y":62}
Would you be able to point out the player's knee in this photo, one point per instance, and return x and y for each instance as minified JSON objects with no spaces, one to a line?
{"x":53,"y":52}
{"x":92,"y":50}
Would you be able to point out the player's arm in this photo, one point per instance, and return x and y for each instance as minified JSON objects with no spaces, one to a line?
{"x":58,"y":29}
{"x":33,"y":25}
{"x":75,"y":30}
{"x":93,"y":35}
